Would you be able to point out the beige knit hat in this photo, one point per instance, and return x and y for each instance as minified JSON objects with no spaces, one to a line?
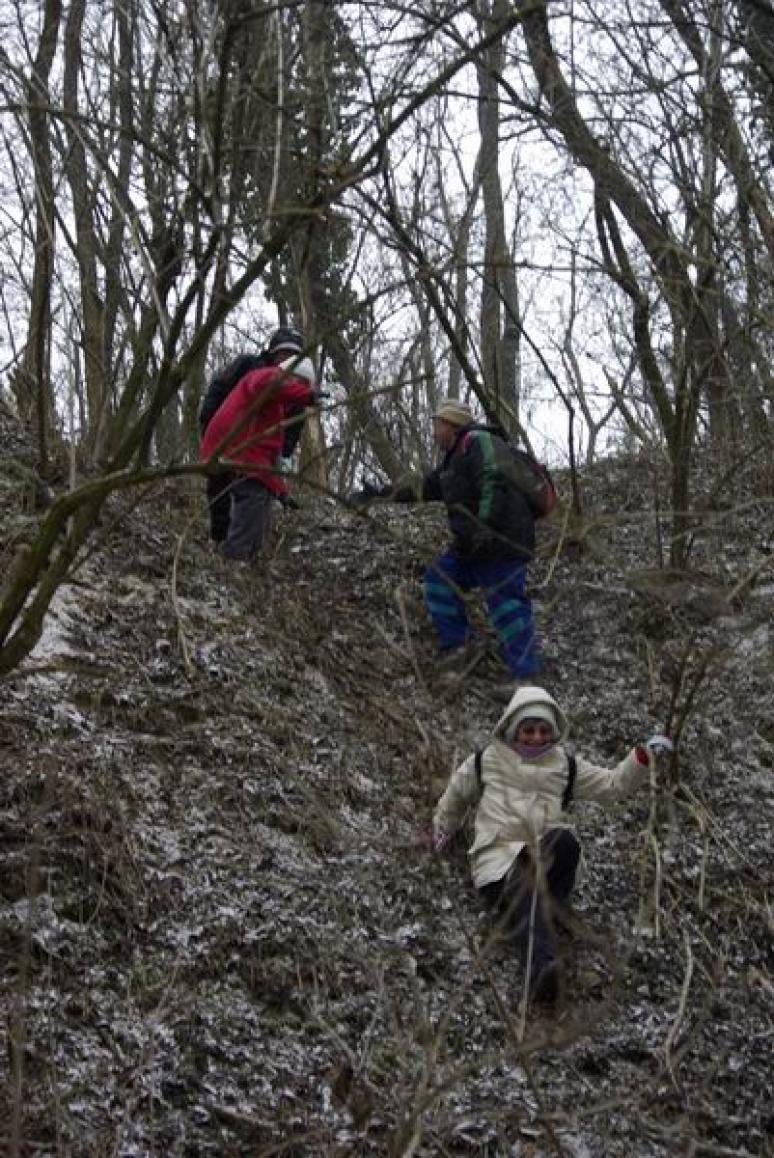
{"x":457,"y":413}
{"x":534,"y":711}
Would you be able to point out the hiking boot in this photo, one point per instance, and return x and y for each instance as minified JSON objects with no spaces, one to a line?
{"x":502,"y":693}
{"x":457,"y":662}
{"x":544,"y":984}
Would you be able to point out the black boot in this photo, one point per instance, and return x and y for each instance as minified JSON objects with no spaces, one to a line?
{"x":544,"y":981}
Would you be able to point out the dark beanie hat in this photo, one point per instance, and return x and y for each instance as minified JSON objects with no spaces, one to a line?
{"x":286,"y":338}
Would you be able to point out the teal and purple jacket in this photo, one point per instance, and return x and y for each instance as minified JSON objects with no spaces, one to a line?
{"x":490,"y":518}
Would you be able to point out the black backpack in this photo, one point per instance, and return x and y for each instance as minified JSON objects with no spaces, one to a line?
{"x":569,"y":788}
{"x":224,"y":382}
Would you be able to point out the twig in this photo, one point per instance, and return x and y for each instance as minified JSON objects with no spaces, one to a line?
{"x":743,"y":585}
{"x":557,"y":550}
{"x":702,"y":897}
{"x":400,"y":599}
{"x":656,"y":887}
{"x":64,"y":665}
{"x":650,"y":838}
{"x":680,"y":1016}
{"x":528,"y":963}
{"x":677,"y":717}
{"x":181,"y":636}
{"x":694,"y":1146}
{"x":721,"y":835}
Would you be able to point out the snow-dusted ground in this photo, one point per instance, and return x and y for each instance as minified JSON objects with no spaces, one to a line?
{"x":220,"y":934}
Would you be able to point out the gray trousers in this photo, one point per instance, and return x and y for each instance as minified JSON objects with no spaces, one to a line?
{"x":251,"y":519}
{"x":219,"y":503}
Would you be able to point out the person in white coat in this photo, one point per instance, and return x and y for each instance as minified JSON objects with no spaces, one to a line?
{"x":524,"y":855}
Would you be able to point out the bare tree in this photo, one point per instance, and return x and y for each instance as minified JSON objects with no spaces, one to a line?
{"x":188,"y":160}
{"x":193,"y":243}
{"x":500,"y":329}
{"x":32,"y":382}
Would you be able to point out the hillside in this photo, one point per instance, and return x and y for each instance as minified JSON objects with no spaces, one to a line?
{"x":219,"y":932}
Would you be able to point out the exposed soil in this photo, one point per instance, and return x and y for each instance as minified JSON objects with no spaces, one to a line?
{"x":219,"y":932}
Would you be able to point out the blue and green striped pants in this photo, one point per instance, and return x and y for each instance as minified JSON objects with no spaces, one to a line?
{"x":508,"y":607}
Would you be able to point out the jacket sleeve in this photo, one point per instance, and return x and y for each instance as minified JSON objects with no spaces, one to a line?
{"x":462,"y":793}
{"x":297,"y":392}
{"x":431,"y":487}
{"x":606,"y":785}
{"x":271,"y":387}
{"x":414,"y":488}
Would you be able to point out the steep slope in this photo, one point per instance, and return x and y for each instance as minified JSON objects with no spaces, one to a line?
{"x":220,"y":933}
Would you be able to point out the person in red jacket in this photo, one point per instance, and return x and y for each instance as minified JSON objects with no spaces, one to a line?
{"x":219,"y":483}
{"x":246,"y":432}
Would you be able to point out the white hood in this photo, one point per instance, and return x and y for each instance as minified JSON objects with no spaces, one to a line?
{"x":300,"y":368}
{"x":531,"y":695}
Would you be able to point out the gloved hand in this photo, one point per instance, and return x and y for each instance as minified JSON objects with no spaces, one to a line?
{"x":659,"y":745}
{"x":433,"y":841}
{"x":369,"y":491}
{"x":440,"y":841}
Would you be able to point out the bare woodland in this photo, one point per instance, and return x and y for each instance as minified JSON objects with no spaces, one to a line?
{"x":507,"y":201}
{"x":561,"y":212}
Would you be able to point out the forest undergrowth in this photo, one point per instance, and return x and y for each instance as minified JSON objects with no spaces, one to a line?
{"x":219,"y":930}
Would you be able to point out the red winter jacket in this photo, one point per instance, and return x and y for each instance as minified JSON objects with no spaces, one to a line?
{"x":246,"y":430}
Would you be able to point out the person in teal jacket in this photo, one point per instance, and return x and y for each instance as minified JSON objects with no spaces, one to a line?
{"x":493,"y":539}
{"x":492,"y":527}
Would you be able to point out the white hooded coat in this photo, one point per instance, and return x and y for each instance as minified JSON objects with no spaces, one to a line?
{"x":520,"y":798}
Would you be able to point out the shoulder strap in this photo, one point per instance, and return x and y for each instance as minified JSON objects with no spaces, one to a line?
{"x":479,"y":770}
{"x":572,"y":772}
{"x":463,"y":441}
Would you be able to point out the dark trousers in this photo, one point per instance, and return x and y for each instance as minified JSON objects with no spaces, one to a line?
{"x":250,"y":520}
{"x":511,"y":898}
{"x":219,"y":503}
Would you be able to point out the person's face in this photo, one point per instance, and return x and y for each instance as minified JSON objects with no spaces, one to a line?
{"x":443,"y":433}
{"x":534,"y":733}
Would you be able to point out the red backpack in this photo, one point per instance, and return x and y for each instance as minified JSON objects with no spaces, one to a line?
{"x":534,"y":481}
{"x":528,"y":475}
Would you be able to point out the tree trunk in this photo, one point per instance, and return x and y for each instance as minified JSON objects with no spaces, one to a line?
{"x":313,"y":466}
{"x":500,"y":329}
{"x":92,"y":314}
{"x":35,"y":375}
